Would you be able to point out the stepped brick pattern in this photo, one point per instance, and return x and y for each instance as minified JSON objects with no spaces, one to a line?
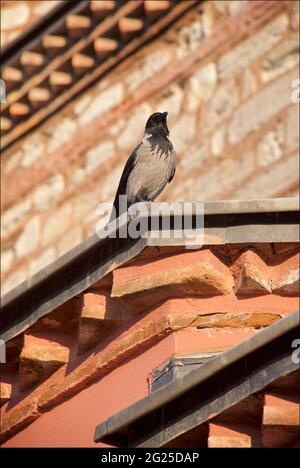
{"x":224,"y":71}
{"x":217,"y":297}
{"x":84,"y":41}
{"x":18,"y":16}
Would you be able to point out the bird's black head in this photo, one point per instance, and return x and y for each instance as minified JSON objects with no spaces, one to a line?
{"x":157,"y":121}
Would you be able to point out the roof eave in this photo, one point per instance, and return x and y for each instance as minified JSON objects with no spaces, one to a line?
{"x":268,"y":368}
{"x":225,"y":222}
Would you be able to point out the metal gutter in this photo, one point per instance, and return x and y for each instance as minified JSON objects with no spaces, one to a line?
{"x":116,"y":429}
{"x":269,"y":205}
{"x":271,"y":220}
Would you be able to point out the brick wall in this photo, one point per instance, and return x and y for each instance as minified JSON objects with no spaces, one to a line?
{"x":224,"y":72}
{"x":163,"y":303}
{"x":18,"y":15}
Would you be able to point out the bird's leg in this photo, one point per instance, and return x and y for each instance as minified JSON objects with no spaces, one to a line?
{"x":131,"y":216}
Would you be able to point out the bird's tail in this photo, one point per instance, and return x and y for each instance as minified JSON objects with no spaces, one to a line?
{"x":114,"y":210}
{"x":120,"y":206}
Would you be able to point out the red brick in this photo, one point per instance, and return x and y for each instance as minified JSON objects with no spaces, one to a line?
{"x":40,"y":357}
{"x":281,"y":419}
{"x":17,"y":418}
{"x":139,"y":286}
{"x":100,"y":315}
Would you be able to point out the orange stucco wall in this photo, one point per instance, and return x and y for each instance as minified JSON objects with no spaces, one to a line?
{"x":72,"y":423}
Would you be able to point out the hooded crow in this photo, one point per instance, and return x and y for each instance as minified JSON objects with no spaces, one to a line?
{"x":150,"y":167}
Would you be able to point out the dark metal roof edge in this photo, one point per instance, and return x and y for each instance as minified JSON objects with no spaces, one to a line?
{"x":172,"y":390}
{"x":263,"y":205}
{"x":58,"y":264}
{"x":224,"y":222}
{"x":36,"y":29}
{"x":210,"y":208}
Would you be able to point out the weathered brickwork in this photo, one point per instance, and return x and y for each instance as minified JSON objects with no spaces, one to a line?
{"x":228,"y":90}
{"x":203,"y":301}
{"x":17,"y":16}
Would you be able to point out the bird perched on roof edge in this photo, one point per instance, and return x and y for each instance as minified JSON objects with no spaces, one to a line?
{"x":150,"y":167}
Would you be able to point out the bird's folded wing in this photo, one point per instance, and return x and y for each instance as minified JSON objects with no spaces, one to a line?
{"x":124,"y":179}
{"x":173,"y":168}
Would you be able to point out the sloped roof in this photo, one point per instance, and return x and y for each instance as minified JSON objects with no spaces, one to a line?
{"x":110,"y":298}
{"x":225,"y":222}
{"x":213,"y":388}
